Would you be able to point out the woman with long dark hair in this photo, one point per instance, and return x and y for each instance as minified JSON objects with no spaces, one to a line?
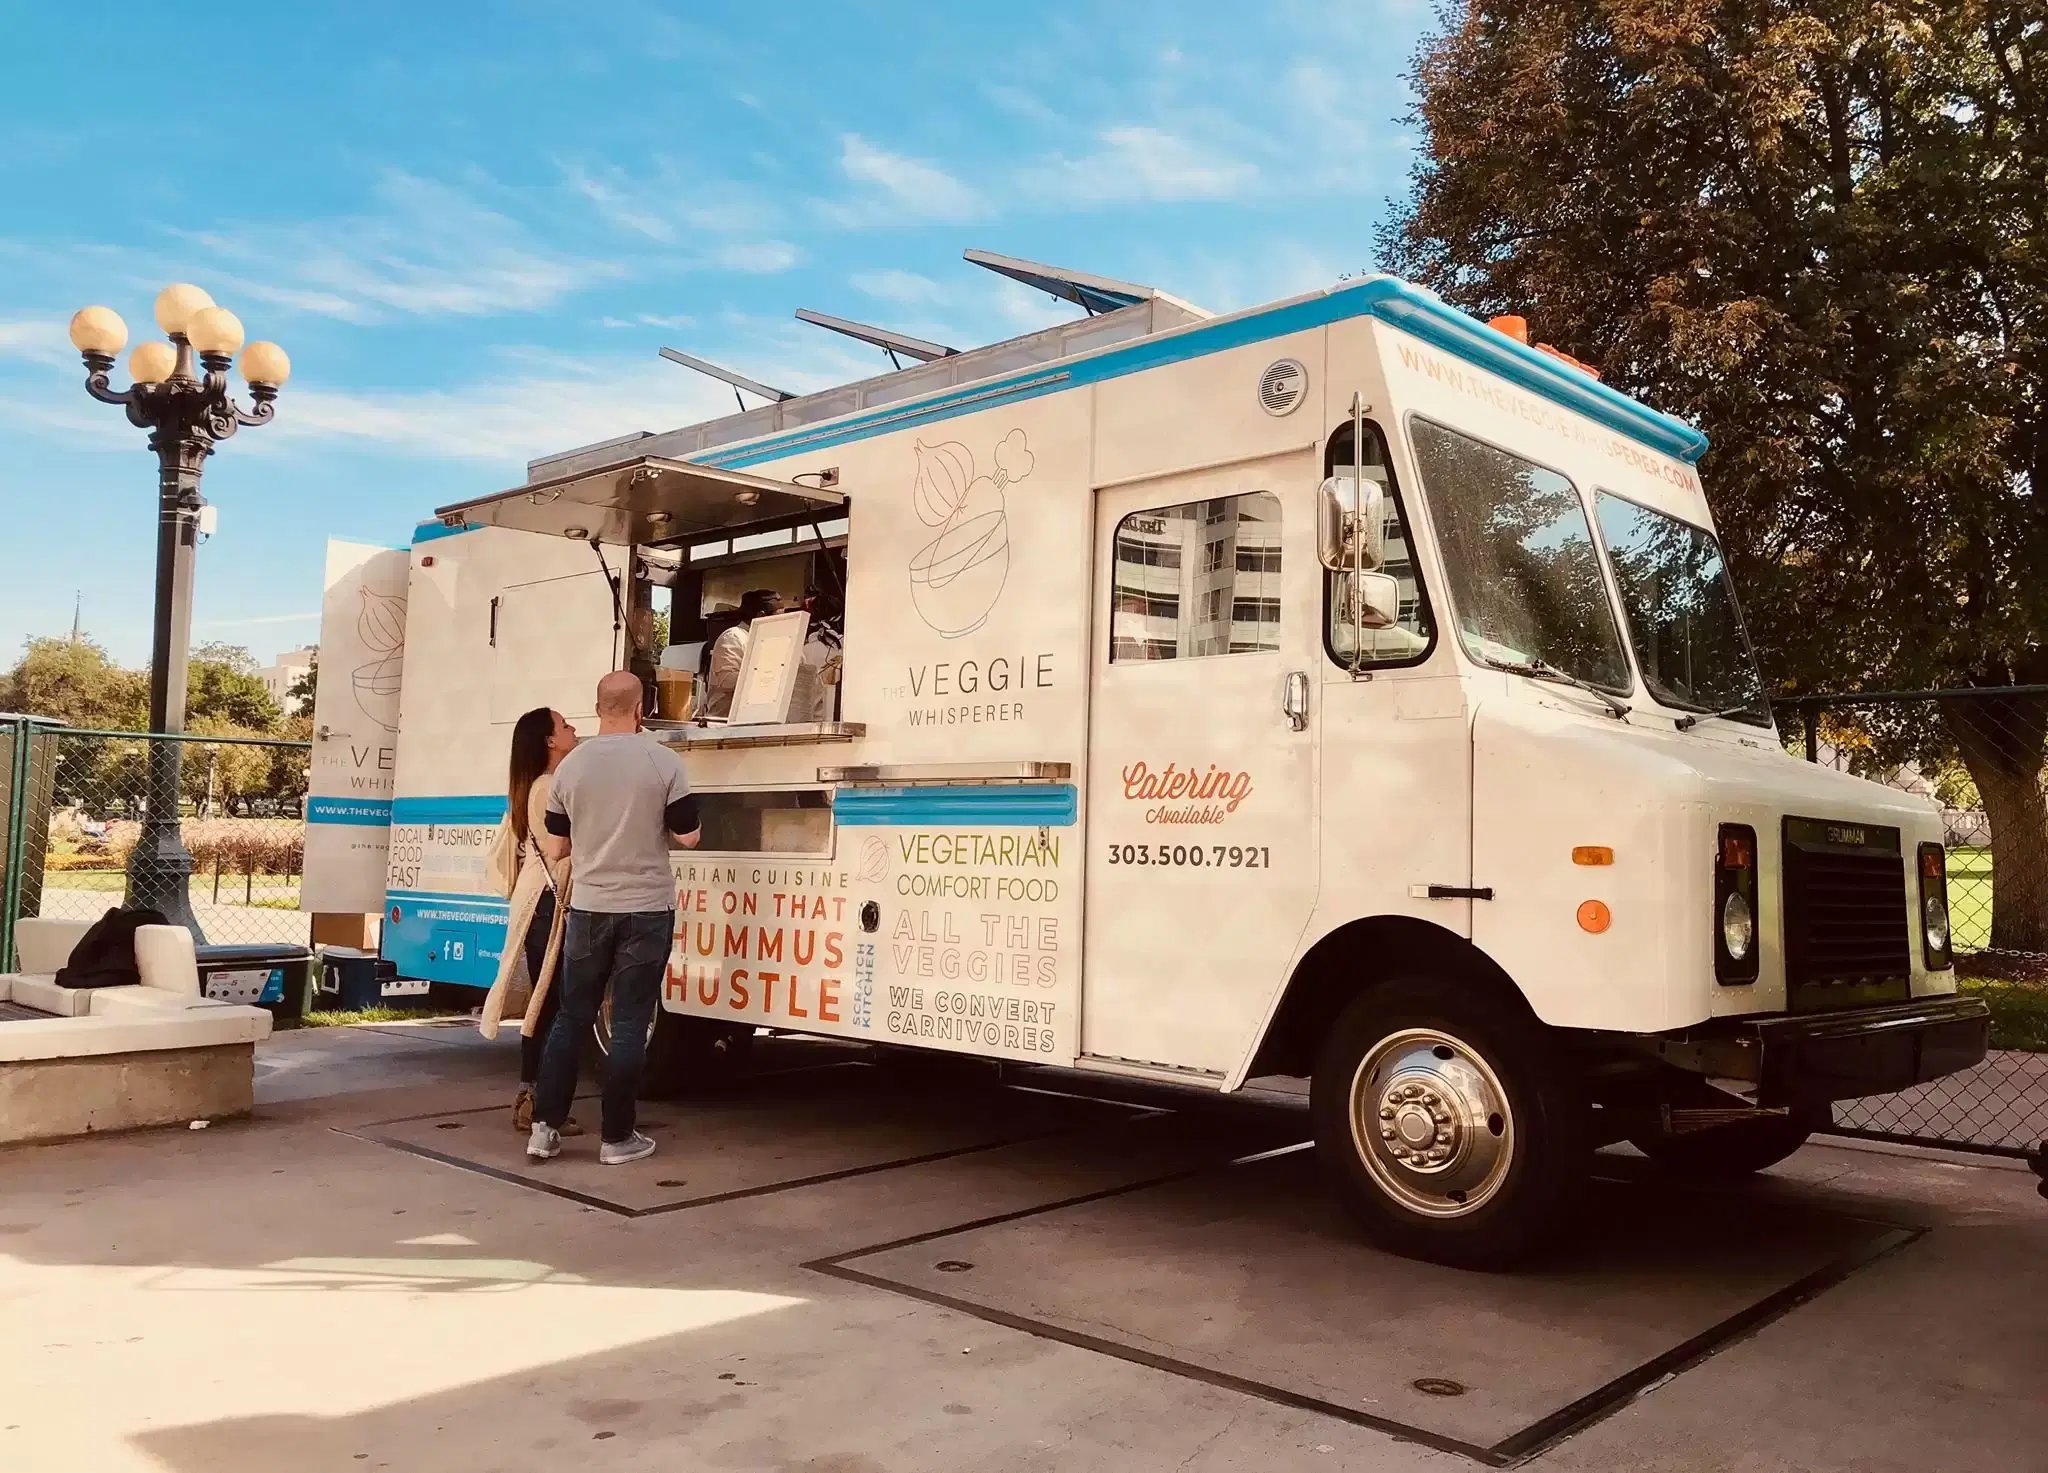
{"x":539,"y":901}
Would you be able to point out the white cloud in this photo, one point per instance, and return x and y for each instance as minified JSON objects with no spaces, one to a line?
{"x":1141,"y":162}
{"x":906,"y":287}
{"x":910,"y":188}
{"x":671,"y":203}
{"x":1023,"y":310}
{"x":432,"y":250}
{"x":758,"y":257}
{"x":260,"y":619}
{"x":547,"y":402}
{"x":36,"y":340}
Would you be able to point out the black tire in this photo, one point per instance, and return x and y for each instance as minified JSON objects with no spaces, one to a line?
{"x":695,"y":1056}
{"x":1449,"y":1070}
{"x":1725,"y":1152}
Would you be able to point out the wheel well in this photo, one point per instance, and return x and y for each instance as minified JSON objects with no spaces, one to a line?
{"x":1359,"y":955}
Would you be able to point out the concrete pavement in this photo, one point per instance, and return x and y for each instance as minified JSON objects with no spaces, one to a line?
{"x":851,"y":1270}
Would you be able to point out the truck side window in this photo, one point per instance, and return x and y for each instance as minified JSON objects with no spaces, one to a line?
{"x":1200,"y":578}
{"x":1411,"y":640}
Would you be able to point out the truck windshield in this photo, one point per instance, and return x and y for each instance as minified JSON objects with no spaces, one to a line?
{"x":1519,"y":556}
{"x":1681,"y":612}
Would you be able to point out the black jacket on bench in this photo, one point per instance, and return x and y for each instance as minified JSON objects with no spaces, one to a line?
{"x":105,"y":955}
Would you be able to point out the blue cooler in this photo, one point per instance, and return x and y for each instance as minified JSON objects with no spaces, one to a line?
{"x":351,"y":980}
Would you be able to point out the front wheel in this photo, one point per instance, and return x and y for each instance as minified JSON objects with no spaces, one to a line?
{"x":1448,"y":1127}
{"x":1723,"y":1152}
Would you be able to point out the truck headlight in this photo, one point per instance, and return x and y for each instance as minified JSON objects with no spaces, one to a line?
{"x":1935,"y":937}
{"x":1735,"y":914}
{"x":1738,"y":927}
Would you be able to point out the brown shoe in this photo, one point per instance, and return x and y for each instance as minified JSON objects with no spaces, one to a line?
{"x":570,"y":1127}
{"x":522,"y":1109}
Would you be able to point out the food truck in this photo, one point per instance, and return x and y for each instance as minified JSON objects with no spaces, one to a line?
{"x":1343,"y":688}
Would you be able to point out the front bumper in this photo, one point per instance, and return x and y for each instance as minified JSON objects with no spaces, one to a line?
{"x":1817,"y":1058}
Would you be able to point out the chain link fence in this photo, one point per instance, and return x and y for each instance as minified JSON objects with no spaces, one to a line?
{"x":77,"y":804}
{"x":1983,"y":756}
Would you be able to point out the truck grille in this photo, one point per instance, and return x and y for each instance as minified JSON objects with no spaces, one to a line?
{"x":1845,"y":915}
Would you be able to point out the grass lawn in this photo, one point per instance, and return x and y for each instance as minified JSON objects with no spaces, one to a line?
{"x":273,"y":891}
{"x":2019,"y":1012}
{"x":1969,"y":898}
{"x":369,"y":1015}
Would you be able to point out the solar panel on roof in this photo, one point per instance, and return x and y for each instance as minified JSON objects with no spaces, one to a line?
{"x":727,"y":376}
{"x":889,"y":342}
{"x":1091,"y":293}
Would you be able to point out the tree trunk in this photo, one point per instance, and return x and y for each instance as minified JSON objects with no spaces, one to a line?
{"x":2004,"y":742}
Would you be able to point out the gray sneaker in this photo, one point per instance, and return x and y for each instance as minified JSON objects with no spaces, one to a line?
{"x":545,"y":1143}
{"x":634,"y":1147}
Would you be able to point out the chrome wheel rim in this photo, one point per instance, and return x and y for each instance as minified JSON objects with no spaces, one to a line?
{"x":603,"y":1031}
{"x":1431,"y":1122}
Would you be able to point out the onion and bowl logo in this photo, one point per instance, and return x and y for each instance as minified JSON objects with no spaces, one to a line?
{"x":956,"y":578}
{"x":380,"y":626}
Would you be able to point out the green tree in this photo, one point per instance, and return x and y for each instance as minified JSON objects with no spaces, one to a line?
{"x":219,"y":777}
{"x":74,"y":682}
{"x":303,"y":690}
{"x":77,"y":684}
{"x":1818,"y":230}
{"x":223,"y":686}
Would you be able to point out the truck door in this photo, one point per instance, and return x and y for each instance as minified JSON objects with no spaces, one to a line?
{"x":1202,"y":867}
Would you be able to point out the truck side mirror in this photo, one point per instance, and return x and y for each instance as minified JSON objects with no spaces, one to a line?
{"x":1341,"y":518}
{"x":1370,"y":601}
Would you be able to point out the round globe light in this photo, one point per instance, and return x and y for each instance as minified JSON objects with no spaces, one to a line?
{"x":265,"y":363}
{"x":176,"y":303}
{"x":214,"y":330}
{"x":98,"y":330}
{"x":152,"y":361}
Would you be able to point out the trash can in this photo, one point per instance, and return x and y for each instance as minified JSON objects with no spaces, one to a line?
{"x":273,"y":977}
{"x":351,"y":980}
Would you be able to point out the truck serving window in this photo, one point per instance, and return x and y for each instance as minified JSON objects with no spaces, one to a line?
{"x":1681,"y":612}
{"x":792,"y":821}
{"x":1519,"y":555}
{"x":1410,"y":640}
{"x":1200,"y":578}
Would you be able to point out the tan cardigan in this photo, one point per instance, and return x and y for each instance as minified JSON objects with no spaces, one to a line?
{"x":526,"y":893}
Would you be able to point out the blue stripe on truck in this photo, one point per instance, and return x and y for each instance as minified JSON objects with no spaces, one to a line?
{"x":463,"y":808}
{"x":1397,"y":303}
{"x":996,"y":805}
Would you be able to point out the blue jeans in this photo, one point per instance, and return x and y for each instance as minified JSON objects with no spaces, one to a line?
{"x":628,"y":953}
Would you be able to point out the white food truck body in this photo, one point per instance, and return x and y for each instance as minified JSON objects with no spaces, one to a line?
{"x":1123,"y":777}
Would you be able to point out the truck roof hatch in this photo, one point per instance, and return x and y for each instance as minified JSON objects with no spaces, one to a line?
{"x":646,"y":499}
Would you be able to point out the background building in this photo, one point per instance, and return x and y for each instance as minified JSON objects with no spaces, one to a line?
{"x":289,"y":670}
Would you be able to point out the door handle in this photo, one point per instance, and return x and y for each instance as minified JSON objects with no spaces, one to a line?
{"x":1294,"y":699}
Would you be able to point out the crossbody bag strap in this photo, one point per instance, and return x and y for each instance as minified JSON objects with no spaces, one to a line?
{"x":545,"y":873}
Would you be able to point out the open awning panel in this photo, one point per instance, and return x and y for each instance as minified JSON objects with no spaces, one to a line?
{"x":645,"y":499}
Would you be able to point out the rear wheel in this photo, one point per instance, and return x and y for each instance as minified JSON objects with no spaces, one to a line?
{"x":1448,"y":1127}
{"x":685,"y":1055}
{"x":695,"y":1056}
{"x":1725,"y":1151}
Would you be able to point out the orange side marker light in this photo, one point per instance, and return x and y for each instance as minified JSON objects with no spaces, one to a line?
{"x":1592,"y":854}
{"x":1594,"y":916}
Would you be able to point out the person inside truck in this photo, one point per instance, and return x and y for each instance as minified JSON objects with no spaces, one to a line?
{"x":817,"y":679}
{"x":725,"y":654}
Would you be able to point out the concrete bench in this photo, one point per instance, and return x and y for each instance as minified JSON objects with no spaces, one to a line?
{"x":115,"y":1058}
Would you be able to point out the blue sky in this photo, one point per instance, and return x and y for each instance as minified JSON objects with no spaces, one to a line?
{"x":472,"y":226}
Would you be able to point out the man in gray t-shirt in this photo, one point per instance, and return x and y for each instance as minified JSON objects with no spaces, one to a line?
{"x":619,"y":803}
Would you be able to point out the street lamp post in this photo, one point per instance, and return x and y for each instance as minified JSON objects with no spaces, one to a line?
{"x":186,"y":414}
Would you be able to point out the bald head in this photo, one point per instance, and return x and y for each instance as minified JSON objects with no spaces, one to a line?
{"x":618,"y":696}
